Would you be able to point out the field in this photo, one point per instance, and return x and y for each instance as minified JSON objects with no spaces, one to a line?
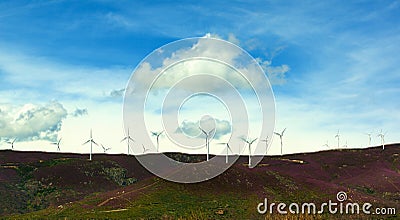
{"x":54,"y":185}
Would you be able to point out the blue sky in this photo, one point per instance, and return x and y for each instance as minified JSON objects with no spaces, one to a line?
{"x":333,"y":64}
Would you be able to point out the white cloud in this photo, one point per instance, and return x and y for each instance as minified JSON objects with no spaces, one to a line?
{"x":276,"y":74}
{"x":79,"y":112}
{"x":31,"y":122}
{"x":191,"y":128}
{"x":178,"y":65}
{"x":117,"y":93}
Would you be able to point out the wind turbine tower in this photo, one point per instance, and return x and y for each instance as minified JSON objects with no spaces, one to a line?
{"x":157,"y":134}
{"x":91,"y":141}
{"x":281,"y":136}
{"x":338,"y":138}
{"x":382,"y":136}
{"x":58,"y":144}
{"x":369,"y":138}
{"x":207,"y":134}
{"x":227,"y":148}
{"x":249,"y":142}
{"x":128,"y":138}
{"x":144,"y":149}
{"x":12,"y":143}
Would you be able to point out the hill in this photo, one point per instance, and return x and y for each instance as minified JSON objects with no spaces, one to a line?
{"x":55,"y":185}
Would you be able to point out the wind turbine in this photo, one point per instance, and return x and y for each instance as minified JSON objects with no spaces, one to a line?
{"x":369,"y":138}
{"x":207,"y":134}
{"x":326,"y":145}
{"x":12,"y":143}
{"x":127,"y":138}
{"x":280,"y":136}
{"x":145,"y":149}
{"x":227,"y":148}
{"x":266,"y":144}
{"x":338,"y":138}
{"x":249,"y":143}
{"x":57,"y":143}
{"x":345,"y":146}
{"x":157,"y":134}
{"x":382,"y":136}
{"x":91,"y":141}
{"x":105,"y":149}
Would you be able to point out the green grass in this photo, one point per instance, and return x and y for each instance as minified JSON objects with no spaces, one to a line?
{"x":164,"y":201}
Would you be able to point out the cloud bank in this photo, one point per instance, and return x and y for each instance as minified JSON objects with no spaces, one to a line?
{"x":191,"y":128}
{"x":31,"y":122}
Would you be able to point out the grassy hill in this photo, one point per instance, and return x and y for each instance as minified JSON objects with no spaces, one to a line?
{"x":53,"y":185}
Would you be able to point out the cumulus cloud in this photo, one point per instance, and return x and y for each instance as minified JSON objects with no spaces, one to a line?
{"x":31,"y":122}
{"x":177,"y":65}
{"x":276,"y":74}
{"x":191,"y":128}
{"x":79,"y":112}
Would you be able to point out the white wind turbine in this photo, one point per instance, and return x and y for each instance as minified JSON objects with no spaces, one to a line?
{"x":280,"y":136}
{"x":326,"y":145}
{"x":266,"y":144}
{"x":12,"y":143}
{"x":57,"y":143}
{"x":144,"y":149}
{"x":382,"y":136}
{"x":345,"y":146}
{"x":227,"y":148}
{"x":249,"y":142}
{"x":369,"y":138}
{"x":105,"y":149}
{"x":128,"y":138}
{"x":91,"y":141}
{"x":157,"y":134}
{"x":207,"y":134}
{"x":338,"y":138}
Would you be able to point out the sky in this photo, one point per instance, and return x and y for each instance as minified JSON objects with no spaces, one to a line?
{"x":64,"y":66}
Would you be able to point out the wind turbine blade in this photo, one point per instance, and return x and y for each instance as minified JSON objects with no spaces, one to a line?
{"x":94,"y":142}
{"x":277,"y":133}
{"x":243,"y":139}
{"x":229,"y":147}
{"x":283,"y":131}
{"x":153,"y":133}
{"x":131,"y":139}
{"x":124,"y":139}
{"x":253,"y":140}
{"x":86,"y":142}
{"x":203,"y":131}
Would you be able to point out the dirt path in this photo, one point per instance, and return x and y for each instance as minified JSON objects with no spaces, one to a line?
{"x":129,"y":192}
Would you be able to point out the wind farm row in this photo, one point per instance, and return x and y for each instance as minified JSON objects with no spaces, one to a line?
{"x":208,"y":136}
